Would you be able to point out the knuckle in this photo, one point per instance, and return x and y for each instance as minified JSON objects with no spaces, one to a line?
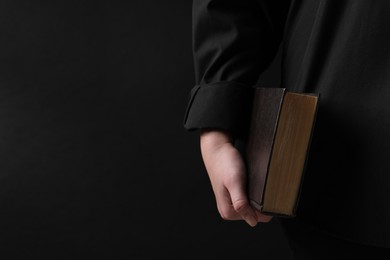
{"x":240,"y":205}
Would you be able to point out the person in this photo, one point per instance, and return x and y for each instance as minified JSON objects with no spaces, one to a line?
{"x":339,"y":49}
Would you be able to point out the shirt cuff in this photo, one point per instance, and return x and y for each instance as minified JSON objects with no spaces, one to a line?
{"x":222,"y":105}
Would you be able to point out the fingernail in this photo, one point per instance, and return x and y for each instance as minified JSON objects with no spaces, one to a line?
{"x":251,"y":221}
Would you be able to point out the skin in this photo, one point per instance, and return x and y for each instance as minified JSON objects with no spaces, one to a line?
{"x":227,"y":173}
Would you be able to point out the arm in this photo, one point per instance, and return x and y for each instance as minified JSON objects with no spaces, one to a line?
{"x":234,"y":41}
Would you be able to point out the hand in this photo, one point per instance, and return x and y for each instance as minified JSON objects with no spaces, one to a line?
{"x":227,"y":173}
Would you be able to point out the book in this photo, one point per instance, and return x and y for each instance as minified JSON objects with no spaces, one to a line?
{"x":277,"y":148}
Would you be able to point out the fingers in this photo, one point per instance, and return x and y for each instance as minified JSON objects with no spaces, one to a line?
{"x":233,"y":204}
{"x":225,"y":206}
{"x":262,"y":218}
{"x":237,"y":207}
{"x":241,"y":204}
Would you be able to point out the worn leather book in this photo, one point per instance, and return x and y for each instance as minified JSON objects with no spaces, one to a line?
{"x":279,"y":137}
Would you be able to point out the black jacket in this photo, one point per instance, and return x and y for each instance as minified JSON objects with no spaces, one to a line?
{"x":340,"y":49}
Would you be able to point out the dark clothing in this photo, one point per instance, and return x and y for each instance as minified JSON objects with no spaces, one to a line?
{"x":339,"y":49}
{"x":307,"y":243}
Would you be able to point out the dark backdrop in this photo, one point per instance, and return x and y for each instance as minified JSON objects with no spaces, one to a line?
{"x":94,"y":161}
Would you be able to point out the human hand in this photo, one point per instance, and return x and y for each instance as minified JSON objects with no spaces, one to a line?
{"x":227,"y":173}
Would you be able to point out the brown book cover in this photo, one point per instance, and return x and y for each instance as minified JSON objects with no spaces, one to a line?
{"x":277,"y":148}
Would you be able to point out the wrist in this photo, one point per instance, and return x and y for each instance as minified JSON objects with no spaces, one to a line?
{"x":215,"y":137}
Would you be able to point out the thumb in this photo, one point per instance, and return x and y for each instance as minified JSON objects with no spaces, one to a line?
{"x":241,"y":205}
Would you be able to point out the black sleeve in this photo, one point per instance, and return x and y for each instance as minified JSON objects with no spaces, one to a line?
{"x":233,"y":42}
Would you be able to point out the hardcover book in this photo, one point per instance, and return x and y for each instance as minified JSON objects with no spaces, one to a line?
{"x":279,"y":137}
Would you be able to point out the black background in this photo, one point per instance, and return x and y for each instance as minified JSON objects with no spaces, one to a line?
{"x":94,"y":160}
